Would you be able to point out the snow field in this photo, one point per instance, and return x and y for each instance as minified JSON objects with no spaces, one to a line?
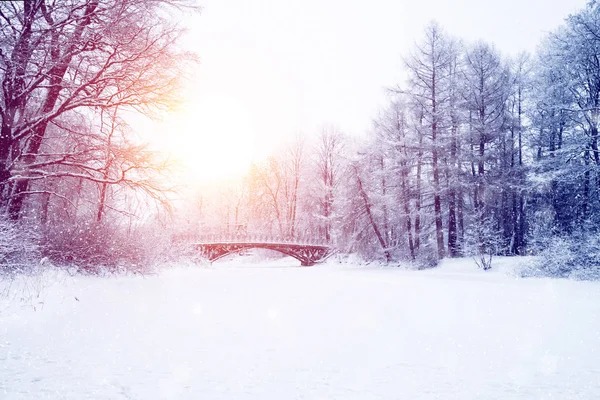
{"x":239,"y":330}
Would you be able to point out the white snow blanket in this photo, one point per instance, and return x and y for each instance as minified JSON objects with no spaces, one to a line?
{"x":240,"y":330}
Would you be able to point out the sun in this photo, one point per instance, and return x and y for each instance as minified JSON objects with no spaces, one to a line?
{"x":209,"y":139}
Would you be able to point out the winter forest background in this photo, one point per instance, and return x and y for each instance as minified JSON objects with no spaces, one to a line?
{"x":477,"y":154}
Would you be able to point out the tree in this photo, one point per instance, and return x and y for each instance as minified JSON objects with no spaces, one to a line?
{"x":486,"y":92}
{"x":59,"y":59}
{"x":517,"y":107}
{"x":328,"y":165}
{"x":397,"y":146}
{"x":568,"y":106}
{"x":429,"y":89}
{"x":367,"y":209}
{"x":274,"y":187}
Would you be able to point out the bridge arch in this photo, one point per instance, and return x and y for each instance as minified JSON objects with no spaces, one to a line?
{"x":307,"y":254}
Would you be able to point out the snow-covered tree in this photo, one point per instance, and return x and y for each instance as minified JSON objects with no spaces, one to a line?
{"x":59,"y":59}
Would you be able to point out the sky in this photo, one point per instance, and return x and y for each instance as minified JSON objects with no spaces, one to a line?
{"x":273,"y":69}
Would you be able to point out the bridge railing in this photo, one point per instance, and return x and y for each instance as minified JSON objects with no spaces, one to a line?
{"x":267,"y":239}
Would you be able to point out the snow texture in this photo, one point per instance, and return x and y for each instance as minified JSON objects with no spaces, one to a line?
{"x":241,"y":330}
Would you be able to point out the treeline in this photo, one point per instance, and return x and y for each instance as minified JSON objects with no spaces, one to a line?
{"x":476,"y":154}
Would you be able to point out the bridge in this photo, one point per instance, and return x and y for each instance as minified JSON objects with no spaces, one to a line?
{"x":308,"y":252}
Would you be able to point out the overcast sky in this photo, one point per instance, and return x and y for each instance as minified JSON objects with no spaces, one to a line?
{"x":285,"y":66}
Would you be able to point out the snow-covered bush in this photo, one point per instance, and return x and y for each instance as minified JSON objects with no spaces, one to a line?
{"x":426,"y":258}
{"x":576,"y":256}
{"x":482,"y":242}
{"x":97,"y":247}
{"x":19,"y":251}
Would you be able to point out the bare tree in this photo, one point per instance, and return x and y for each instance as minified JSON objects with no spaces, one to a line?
{"x":77,"y":56}
{"x":367,"y":209}
{"x":397,"y":146}
{"x":293,"y":168}
{"x":329,"y":166}
{"x":275,"y":186}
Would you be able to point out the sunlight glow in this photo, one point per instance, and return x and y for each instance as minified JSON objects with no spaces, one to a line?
{"x":209,"y":139}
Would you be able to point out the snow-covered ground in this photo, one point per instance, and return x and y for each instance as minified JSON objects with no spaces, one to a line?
{"x":241,"y":330}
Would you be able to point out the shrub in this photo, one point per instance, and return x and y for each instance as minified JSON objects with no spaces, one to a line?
{"x":482,"y":242}
{"x":576,"y":257}
{"x":19,"y":250}
{"x":96,"y":248}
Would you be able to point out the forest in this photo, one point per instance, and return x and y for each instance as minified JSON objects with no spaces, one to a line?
{"x":477,"y":154}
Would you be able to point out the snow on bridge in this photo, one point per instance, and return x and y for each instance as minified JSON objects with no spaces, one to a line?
{"x":308,"y":251}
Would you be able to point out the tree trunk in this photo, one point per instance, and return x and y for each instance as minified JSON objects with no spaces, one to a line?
{"x":461,"y":220}
{"x":367,"y":206}
{"x":437,"y":202}
{"x":452,"y":224}
{"x":102,"y":202}
{"x":406,"y":202}
{"x":418,"y":194}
